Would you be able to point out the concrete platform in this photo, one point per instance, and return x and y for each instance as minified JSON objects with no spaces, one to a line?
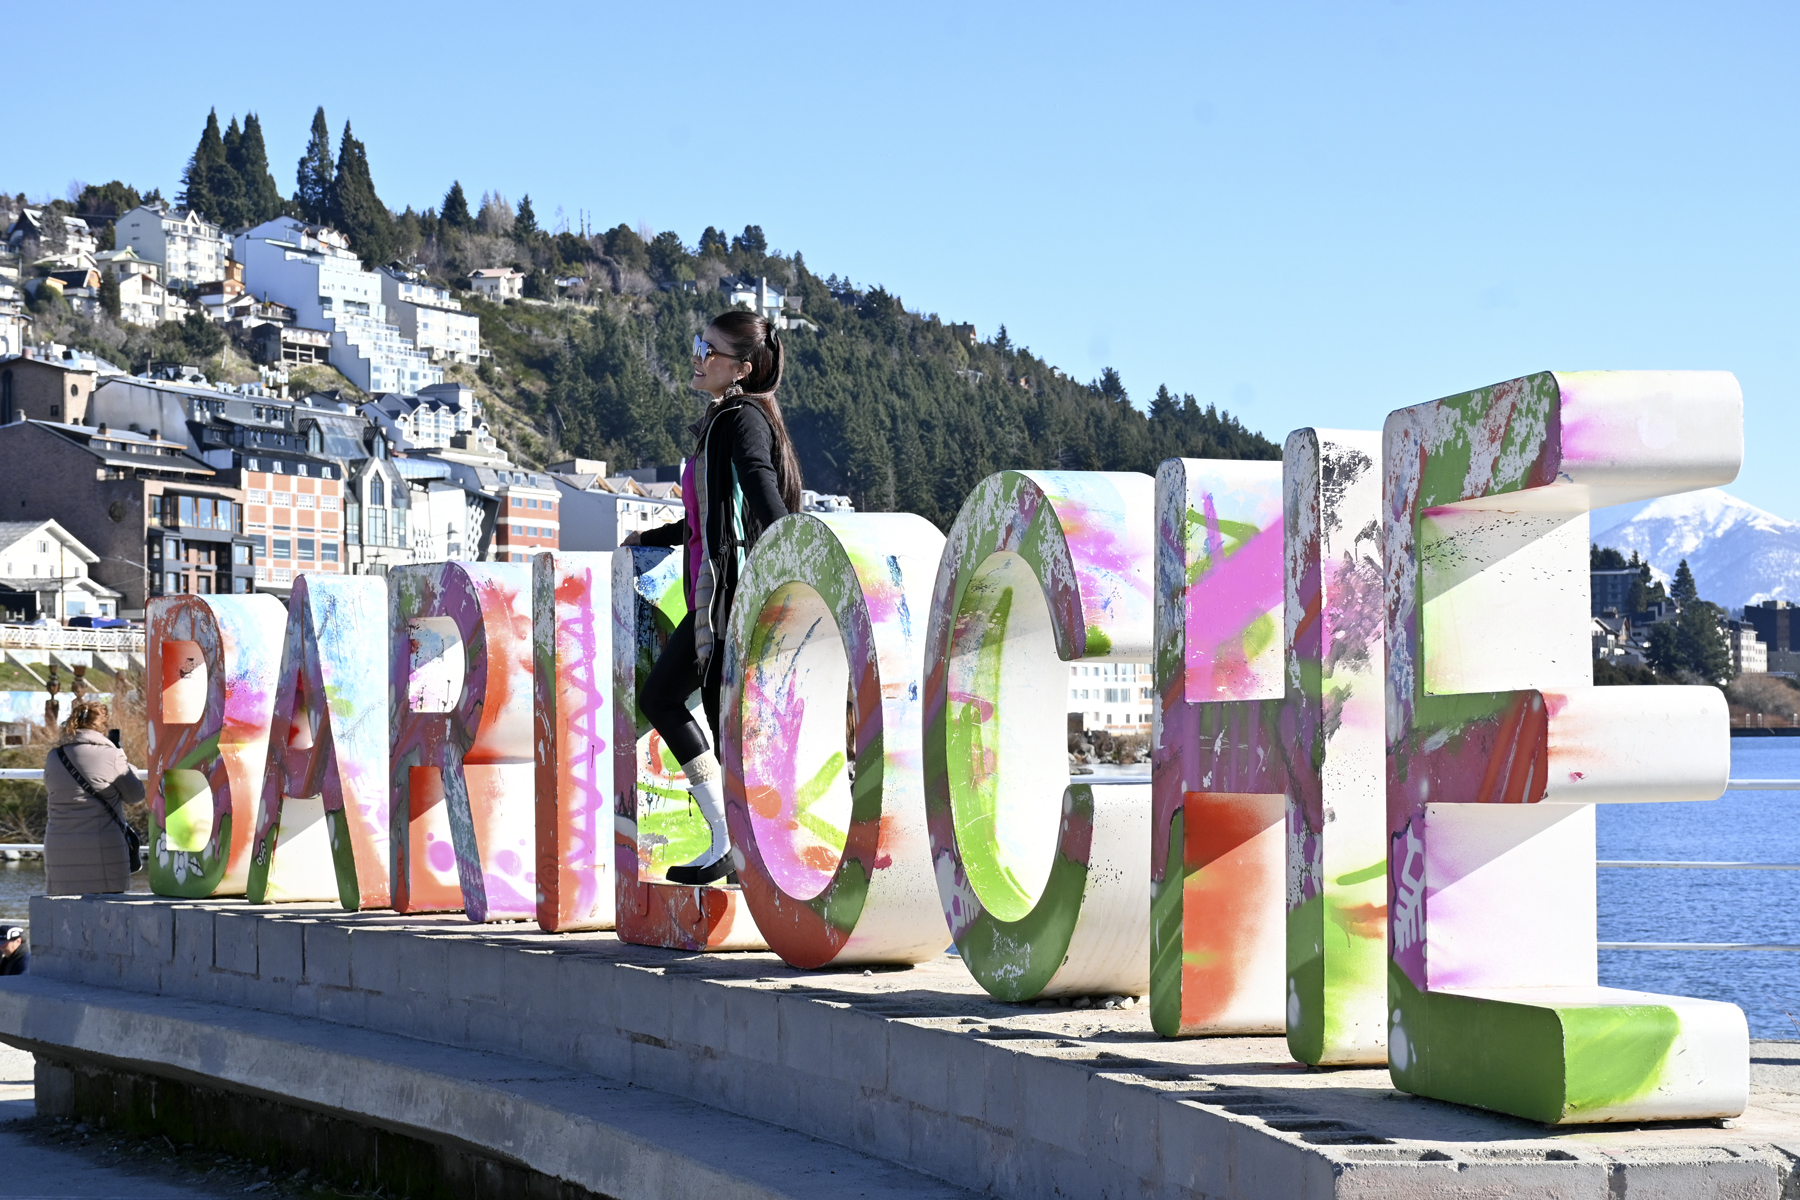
{"x":915,"y":1067}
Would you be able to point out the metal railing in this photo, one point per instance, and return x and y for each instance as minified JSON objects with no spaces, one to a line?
{"x":55,"y":637}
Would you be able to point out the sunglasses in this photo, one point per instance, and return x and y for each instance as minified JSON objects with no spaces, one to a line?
{"x":704,"y":350}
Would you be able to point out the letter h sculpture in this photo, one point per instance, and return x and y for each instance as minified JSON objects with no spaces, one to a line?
{"x":1267,"y":765}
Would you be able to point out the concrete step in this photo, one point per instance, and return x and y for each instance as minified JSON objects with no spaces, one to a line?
{"x":604,"y":1135}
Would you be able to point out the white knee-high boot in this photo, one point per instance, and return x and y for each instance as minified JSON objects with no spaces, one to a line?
{"x":706,"y":784}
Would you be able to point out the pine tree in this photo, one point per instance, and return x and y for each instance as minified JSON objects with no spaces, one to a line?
{"x":357,"y":211}
{"x":203,"y":170}
{"x":525,"y":226}
{"x":110,"y":302}
{"x":1700,"y":644}
{"x":313,"y":177}
{"x":713,"y":243}
{"x":1604,"y":558}
{"x":262,"y":199}
{"x":225,"y":187}
{"x":456,"y":208}
{"x":1164,"y":409}
{"x":1685,"y":591}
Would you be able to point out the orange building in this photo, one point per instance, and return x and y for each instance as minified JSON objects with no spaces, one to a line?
{"x":294,"y":513}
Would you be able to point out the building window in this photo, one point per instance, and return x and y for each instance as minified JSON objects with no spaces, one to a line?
{"x":328,"y":552}
{"x":306,"y":549}
{"x":261,"y":543}
{"x":172,"y":550}
{"x":377,"y":492}
{"x":185,"y":509}
{"x":353,"y":523}
{"x":240,"y":554}
{"x":156,"y":510}
{"x":283,"y":548}
{"x":174,"y":586}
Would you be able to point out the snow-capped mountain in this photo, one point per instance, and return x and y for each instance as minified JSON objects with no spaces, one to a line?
{"x":1739,"y":554}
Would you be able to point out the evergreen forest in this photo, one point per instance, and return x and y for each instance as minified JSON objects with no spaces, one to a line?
{"x":890,"y":405}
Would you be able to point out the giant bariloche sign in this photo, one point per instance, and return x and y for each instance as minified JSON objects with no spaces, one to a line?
{"x":1369,"y":823}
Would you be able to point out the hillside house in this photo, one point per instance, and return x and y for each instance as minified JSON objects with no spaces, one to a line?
{"x":74,"y":246}
{"x":497,"y":283}
{"x":44,"y":575}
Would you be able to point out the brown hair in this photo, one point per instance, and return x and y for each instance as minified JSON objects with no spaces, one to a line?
{"x":750,"y":339}
{"x":87,"y":714}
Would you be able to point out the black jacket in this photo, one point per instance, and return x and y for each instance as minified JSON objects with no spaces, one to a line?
{"x":734,"y":473}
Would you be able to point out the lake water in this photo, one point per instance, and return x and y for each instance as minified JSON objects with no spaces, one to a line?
{"x":1635,"y":905}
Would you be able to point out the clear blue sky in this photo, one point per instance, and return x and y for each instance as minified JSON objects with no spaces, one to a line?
{"x":1308,"y":214}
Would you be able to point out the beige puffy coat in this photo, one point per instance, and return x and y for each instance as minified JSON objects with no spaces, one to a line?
{"x":84,"y":851}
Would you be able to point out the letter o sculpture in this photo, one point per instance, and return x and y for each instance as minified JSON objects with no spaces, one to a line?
{"x":826,"y":655}
{"x":1042,"y":881}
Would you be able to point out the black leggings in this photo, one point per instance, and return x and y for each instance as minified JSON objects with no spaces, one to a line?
{"x":672,"y":680}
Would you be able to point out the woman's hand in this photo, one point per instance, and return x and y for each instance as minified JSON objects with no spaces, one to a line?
{"x":631,"y":539}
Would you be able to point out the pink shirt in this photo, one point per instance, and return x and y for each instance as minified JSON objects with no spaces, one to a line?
{"x":690,"y":504}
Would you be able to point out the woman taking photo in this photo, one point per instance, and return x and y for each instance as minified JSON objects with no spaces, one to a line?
{"x":89,"y":784}
{"x":741,"y":478}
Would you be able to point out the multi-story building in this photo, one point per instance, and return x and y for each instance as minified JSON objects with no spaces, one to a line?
{"x":157,"y":518}
{"x":444,"y":520}
{"x":1610,"y":590}
{"x":311,"y":269}
{"x":1112,"y":696}
{"x":429,"y":420}
{"x":273,"y":450}
{"x":1774,"y":622}
{"x":377,"y":517}
{"x":190,"y":249}
{"x":47,"y":389}
{"x":1748,"y":654}
{"x":44,"y":574}
{"x":599,"y":513}
{"x":431,"y":317}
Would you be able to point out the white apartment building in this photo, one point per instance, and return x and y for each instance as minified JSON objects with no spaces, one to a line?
{"x":312,"y":270}
{"x":190,"y":249}
{"x":429,"y":420}
{"x":1115,"y":697}
{"x":432,"y":318}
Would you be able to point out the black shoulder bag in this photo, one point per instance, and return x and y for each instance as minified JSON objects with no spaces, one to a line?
{"x":132,"y":844}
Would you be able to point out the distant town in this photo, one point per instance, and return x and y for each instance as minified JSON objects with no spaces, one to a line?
{"x":123,"y":482}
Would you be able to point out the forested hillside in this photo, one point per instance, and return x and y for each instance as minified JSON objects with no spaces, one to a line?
{"x":893,"y":407}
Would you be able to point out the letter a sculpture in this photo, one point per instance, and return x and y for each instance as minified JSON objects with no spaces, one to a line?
{"x":323,"y":830}
{"x":1499,"y":746}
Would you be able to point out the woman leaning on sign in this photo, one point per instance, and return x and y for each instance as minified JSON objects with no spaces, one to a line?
{"x":89,"y":783}
{"x":741,"y":479}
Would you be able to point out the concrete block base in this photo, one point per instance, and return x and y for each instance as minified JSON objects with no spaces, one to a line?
{"x":534,"y":1049}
